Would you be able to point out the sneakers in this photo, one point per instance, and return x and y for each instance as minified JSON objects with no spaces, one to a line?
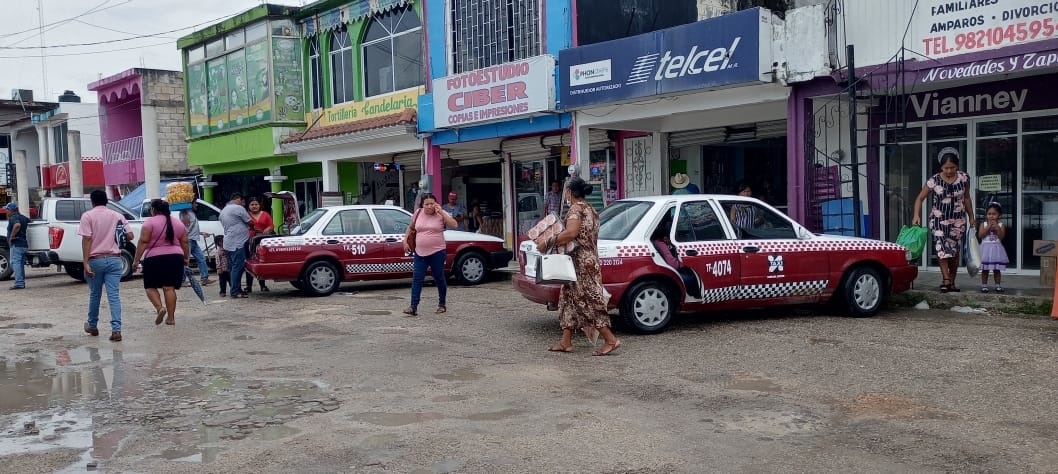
{"x":999,"y":289}
{"x":17,"y":288}
{"x":984,"y":289}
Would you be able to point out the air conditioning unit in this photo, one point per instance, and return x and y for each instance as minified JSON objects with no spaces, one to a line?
{"x":24,"y":95}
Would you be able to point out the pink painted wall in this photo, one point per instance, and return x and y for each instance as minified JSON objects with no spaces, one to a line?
{"x":121,"y":127}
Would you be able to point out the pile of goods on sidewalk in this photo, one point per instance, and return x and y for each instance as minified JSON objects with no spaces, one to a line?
{"x":179,"y":195}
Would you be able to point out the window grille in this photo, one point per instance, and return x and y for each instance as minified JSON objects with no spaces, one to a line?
{"x":490,"y":32}
{"x":316,"y":72}
{"x":342,"y":66}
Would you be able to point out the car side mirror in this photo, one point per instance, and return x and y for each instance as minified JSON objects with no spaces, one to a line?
{"x":804,"y":234}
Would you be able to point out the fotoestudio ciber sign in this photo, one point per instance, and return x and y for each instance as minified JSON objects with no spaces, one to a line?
{"x":495,"y":93}
{"x":945,"y":27}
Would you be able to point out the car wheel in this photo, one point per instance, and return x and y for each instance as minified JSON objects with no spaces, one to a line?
{"x":126,"y":265}
{"x":470,"y":268}
{"x":864,"y":292}
{"x":75,"y":270}
{"x":647,"y":307}
{"x":321,"y":278}
{"x":5,"y":264}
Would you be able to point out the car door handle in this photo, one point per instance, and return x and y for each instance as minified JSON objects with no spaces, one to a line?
{"x":332,"y":242}
{"x":391,"y":240}
{"x":750,"y":249}
{"x":691,"y":253}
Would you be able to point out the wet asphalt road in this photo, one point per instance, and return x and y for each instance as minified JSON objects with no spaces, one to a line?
{"x":281,"y":383}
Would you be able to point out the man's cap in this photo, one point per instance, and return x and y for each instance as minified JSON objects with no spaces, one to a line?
{"x":453,"y":194}
{"x":11,"y":206}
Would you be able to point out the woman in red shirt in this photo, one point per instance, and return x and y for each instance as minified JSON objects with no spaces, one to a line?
{"x":429,"y":224}
{"x":261,"y":224}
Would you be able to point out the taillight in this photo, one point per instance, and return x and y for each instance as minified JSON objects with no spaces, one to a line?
{"x":521,"y":259}
{"x":261,"y":252}
{"x":55,"y":236}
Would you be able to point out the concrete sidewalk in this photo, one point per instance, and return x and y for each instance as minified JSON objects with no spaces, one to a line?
{"x":1022,"y":294}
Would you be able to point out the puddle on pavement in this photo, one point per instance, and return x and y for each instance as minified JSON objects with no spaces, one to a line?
{"x":27,"y":326}
{"x":460,"y":375}
{"x":396,"y":419}
{"x":92,"y":400}
{"x":375,"y":312}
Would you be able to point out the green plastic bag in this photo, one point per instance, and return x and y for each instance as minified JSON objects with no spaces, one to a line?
{"x":914,"y":239}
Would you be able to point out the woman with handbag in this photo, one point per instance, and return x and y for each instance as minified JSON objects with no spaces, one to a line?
{"x":425,"y":239}
{"x":581,"y":303}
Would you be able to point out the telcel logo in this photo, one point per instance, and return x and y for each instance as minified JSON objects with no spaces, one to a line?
{"x":672,"y":66}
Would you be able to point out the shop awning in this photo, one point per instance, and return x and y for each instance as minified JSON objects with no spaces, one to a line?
{"x":352,"y":11}
{"x":376,"y":127}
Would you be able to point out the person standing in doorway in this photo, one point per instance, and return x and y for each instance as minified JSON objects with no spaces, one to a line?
{"x":261,"y":224}
{"x":553,"y":199}
{"x":456,"y":210}
{"x":190,"y":219}
{"x":236,"y":222}
{"x":101,"y":257}
{"x":950,"y":210}
{"x":17,"y":225}
{"x":410,"y":196}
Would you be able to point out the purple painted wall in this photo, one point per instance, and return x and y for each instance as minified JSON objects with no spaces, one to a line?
{"x":121,"y":127}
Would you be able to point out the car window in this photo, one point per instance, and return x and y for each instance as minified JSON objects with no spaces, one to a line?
{"x":69,"y":209}
{"x":121,"y":210}
{"x":206,"y":213}
{"x":618,"y":220}
{"x":145,"y":210}
{"x":392,"y":221}
{"x":753,"y":221}
{"x":697,"y":222}
{"x":308,"y":221}
{"x":350,"y":222}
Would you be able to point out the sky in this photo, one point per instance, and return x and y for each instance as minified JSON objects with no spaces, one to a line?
{"x":67,"y":22}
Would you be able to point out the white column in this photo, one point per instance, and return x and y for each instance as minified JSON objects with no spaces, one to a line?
{"x":510,"y":218}
{"x":582,"y":156}
{"x":73,"y":140}
{"x":22,"y":178}
{"x":330,"y":176}
{"x":43,"y":147}
{"x":47,"y":154}
{"x":152,"y":170}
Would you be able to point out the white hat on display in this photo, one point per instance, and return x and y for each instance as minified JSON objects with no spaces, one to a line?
{"x":680,"y":181}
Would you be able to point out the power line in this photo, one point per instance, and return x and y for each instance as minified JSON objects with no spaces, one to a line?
{"x":55,"y":24}
{"x":114,"y":30}
{"x":89,"y":52}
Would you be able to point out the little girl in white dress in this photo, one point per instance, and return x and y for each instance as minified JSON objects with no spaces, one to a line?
{"x":993,"y":255}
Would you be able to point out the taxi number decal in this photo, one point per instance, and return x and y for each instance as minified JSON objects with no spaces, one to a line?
{"x":720,"y":268}
{"x":610,"y":262}
{"x":355,"y":249}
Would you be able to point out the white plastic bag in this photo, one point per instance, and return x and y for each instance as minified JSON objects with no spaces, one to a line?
{"x":555,"y":268}
{"x":973,"y":251}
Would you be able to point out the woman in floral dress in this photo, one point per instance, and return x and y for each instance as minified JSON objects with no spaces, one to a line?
{"x":581,"y":304}
{"x":951,"y":207}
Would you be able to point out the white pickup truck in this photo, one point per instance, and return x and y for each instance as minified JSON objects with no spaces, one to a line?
{"x":208,"y":224}
{"x":53,"y":237}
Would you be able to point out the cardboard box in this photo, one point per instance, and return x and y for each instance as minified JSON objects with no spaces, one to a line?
{"x":1045,"y":248}
{"x":1047,"y":271}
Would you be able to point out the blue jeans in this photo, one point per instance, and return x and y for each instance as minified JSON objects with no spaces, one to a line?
{"x":200,"y":259}
{"x":436,"y":262}
{"x":18,"y":264}
{"x":237,"y":261}
{"x":107,"y":270}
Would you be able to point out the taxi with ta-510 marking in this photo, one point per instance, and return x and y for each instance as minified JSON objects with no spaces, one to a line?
{"x":729,"y":252}
{"x":362,"y":242}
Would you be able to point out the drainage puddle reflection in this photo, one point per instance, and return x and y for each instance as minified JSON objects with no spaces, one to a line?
{"x":91,"y":400}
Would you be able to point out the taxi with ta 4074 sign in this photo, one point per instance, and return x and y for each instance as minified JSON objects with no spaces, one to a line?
{"x":726,"y":252}
{"x":362,"y":242}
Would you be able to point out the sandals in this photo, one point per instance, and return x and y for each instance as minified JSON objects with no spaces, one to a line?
{"x":603,"y":352}
{"x":158,"y":318}
{"x":441,"y":309}
{"x":410,"y":311}
{"x":560,"y":348}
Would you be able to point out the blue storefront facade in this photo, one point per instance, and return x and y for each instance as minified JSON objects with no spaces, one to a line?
{"x":489,"y":117}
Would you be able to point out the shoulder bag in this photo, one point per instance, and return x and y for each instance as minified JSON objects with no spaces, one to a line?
{"x":409,"y":240}
{"x":555,"y":268}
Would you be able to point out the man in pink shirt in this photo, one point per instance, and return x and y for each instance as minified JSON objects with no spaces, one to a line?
{"x":102,"y":261}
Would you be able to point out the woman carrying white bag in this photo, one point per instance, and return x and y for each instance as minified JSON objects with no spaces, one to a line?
{"x":581,"y":303}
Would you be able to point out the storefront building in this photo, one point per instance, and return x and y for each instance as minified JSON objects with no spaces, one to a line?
{"x":24,"y":147}
{"x":991,"y":100}
{"x":141,"y":130}
{"x":702,"y":100}
{"x":364,"y":72}
{"x":245,"y":95}
{"x":494,"y":136}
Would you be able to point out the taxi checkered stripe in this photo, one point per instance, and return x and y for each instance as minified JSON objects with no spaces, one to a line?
{"x":341,"y":239}
{"x":379,"y":267}
{"x":626,"y":251}
{"x":783,"y":246}
{"x":774,"y":290}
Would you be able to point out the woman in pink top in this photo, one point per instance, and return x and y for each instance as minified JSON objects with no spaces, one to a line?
{"x":428,"y":224}
{"x":164,"y":251}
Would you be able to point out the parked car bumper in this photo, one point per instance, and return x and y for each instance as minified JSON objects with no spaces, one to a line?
{"x":903,"y":277}
{"x":501,"y":258}
{"x":534,"y":292}
{"x":280,"y":271}
{"x":41,"y":258}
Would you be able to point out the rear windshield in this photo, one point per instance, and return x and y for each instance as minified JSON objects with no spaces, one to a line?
{"x":308,"y":221}
{"x":618,"y":220}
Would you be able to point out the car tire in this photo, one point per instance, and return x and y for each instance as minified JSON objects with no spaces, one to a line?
{"x":5,"y":264}
{"x":648,"y":307}
{"x":320,"y":278}
{"x":470,"y":269}
{"x":863,"y":292}
{"x":75,"y":270}
{"x":126,"y":265}
{"x":298,"y":284}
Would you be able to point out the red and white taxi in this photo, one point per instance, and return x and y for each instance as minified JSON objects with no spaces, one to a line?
{"x":768,"y":260}
{"x":356,"y":243}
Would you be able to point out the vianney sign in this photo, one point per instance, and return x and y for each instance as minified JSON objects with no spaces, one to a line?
{"x":374,"y":107}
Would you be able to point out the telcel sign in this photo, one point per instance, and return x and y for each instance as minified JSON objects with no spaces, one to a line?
{"x":718,"y":52}
{"x":495,"y":93}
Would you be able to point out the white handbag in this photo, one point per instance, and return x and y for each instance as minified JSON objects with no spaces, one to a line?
{"x":555,"y":268}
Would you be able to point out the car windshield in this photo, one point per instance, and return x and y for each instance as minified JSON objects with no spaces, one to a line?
{"x":308,"y":221}
{"x":618,"y":220}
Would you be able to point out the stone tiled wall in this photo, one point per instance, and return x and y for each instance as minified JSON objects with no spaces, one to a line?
{"x":164,"y":90}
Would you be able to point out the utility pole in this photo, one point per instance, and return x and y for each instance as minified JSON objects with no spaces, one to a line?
{"x":854,"y":146}
{"x":43,"y":52}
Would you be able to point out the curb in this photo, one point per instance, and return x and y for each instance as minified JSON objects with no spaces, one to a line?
{"x":992,"y":302}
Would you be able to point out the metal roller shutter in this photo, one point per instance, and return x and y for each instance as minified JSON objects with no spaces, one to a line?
{"x":772,"y":129}
{"x":713,"y":136}
{"x":411,"y":161}
{"x":533,"y":148}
